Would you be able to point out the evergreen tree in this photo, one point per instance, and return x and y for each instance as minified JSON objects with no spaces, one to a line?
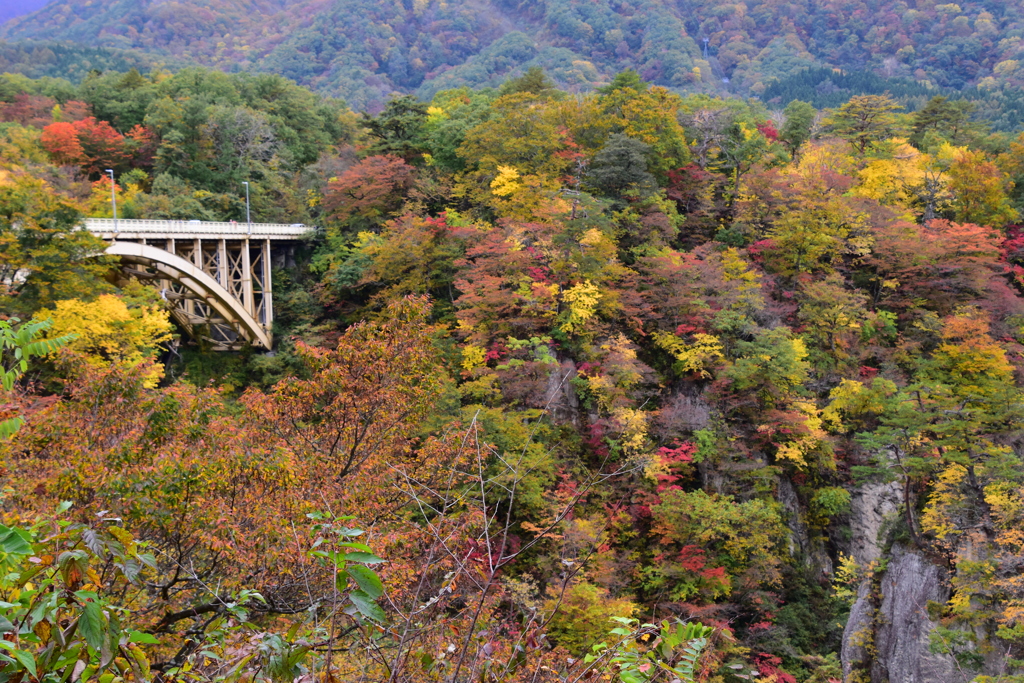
{"x":797,"y":129}
{"x":398,"y":129}
{"x":949,"y":120}
{"x":622,"y":165}
{"x":866,"y":120}
{"x":534,"y":81}
{"x":623,"y":80}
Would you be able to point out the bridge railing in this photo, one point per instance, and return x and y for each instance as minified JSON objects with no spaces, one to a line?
{"x":106,"y":226}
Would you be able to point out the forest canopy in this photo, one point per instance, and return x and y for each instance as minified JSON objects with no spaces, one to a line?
{"x":364,"y":51}
{"x":625,"y":384}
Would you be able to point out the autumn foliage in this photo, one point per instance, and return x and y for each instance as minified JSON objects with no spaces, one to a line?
{"x":555,"y":373}
{"x":371,"y":189}
{"x":94,"y":145}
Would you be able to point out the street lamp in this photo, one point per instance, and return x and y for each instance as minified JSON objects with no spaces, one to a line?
{"x":113,"y":197}
{"x":248,"y":218}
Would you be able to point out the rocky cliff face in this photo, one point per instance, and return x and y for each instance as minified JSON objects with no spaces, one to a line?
{"x":559,"y":395}
{"x":887,"y":637}
{"x":873,"y":507}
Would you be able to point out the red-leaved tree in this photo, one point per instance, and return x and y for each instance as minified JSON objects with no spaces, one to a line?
{"x":369,"y":191}
{"x":91,"y":144}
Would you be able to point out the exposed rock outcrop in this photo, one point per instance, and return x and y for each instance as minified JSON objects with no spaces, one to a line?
{"x":560,"y":395}
{"x":886,"y":638}
{"x":859,"y":632}
{"x":802,"y":543}
{"x":902,"y":628}
{"x":871,"y":507}
{"x":889,"y":626}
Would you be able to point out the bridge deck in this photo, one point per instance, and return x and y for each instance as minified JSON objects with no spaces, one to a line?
{"x":133,"y":229}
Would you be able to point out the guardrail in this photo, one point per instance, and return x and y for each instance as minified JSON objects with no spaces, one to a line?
{"x":193,"y":228}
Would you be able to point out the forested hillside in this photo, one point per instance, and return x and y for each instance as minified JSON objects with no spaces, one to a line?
{"x":365,"y":51}
{"x":17,"y":8}
{"x":624,"y":385}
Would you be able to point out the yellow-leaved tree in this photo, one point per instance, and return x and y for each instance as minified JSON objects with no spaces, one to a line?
{"x":581,"y":301}
{"x":109,"y":331}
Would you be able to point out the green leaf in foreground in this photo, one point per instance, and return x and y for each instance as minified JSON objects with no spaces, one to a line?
{"x":91,"y":625}
{"x":366,"y":606}
{"x":368,"y":581}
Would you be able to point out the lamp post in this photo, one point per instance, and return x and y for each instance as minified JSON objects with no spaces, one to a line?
{"x":113,"y":197}
{"x":248,"y":218}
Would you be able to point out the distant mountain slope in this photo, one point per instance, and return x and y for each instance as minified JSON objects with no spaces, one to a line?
{"x":217,"y":31}
{"x":37,"y":59}
{"x":16,"y":8}
{"x":365,"y":49}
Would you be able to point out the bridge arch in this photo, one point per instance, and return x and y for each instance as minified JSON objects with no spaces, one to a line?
{"x":197,"y":285}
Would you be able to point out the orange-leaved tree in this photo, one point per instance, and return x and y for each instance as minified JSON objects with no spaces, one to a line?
{"x":363,"y":399}
{"x":367,"y":193}
{"x":91,"y":144}
{"x":173,"y":466}
{"x":224,"y":499}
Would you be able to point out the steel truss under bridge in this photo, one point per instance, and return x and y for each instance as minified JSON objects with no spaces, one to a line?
{"x":216,"y":275}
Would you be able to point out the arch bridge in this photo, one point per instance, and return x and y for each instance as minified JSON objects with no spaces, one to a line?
{"x":216,"y":275}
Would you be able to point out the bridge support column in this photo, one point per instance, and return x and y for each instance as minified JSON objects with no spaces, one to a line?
{"x":192,"y":309}
{"x":247,"y":298}
{"x":268,"y":300}
{"x":166,"y":286}
{"x":223,"y":267}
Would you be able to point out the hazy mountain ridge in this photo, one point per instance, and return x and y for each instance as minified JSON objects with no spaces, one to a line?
{"x":16,"y":8}
{"x":212,"y":30}
{"x":74,"y":61}
{"x":365,"y":51}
